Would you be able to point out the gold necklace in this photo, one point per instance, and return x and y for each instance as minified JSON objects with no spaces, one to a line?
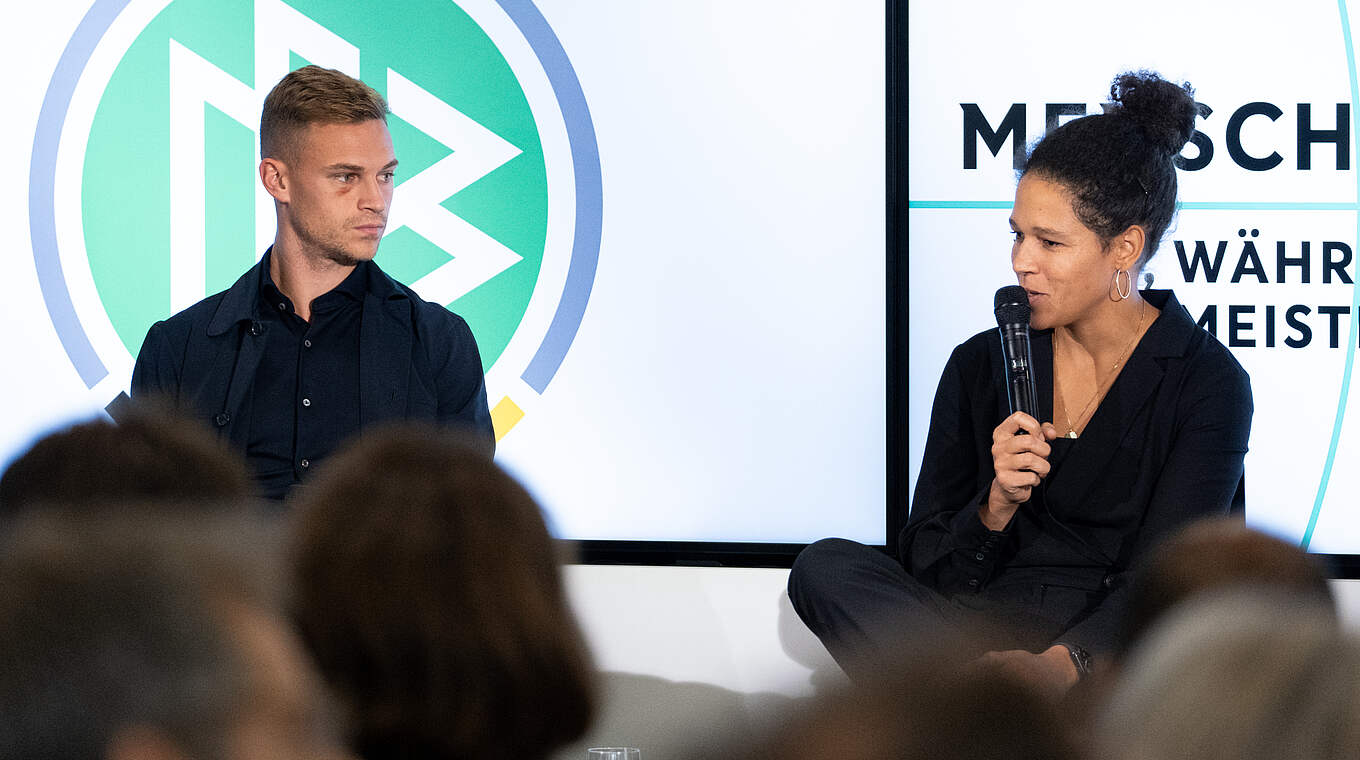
{"x":1072,"y":429}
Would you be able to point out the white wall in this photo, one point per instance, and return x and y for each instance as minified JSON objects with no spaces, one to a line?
{"x":690,"y":654}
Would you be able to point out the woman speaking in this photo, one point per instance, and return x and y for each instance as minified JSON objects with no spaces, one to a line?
{"x":1022,"y":532}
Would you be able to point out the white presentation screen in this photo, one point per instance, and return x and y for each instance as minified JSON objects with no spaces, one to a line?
{"x":1263,"y":254}
{"x":664,"y":221}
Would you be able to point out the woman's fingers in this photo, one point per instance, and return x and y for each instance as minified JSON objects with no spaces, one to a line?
{"x":1020,"y":452}
{"x":1017,"y":423}
{"x":1013,"y":479}
{"x":1024,"y":448}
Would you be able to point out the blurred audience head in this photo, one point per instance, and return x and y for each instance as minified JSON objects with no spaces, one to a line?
{"x":1239,"y":675}
{"x":150,"y":637}
{"x":429,"y":591}
{"x":149,"y":455}
{"x":1213,"y":555}
{"x":929,"y":709}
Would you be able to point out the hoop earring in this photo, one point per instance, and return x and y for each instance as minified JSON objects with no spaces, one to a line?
{"x":1127,"y":290}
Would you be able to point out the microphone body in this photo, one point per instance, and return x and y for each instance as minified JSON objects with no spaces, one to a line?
{"x":1011,"y":306}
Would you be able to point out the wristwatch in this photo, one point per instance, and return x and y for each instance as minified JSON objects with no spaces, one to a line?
{"x":1080,"y":658}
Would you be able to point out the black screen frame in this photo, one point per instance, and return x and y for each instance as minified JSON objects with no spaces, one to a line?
{"x":781,"y":555}
{"x":1341,"y":566}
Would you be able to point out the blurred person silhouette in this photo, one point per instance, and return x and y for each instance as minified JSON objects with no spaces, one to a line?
{"x":430,"y":594}
{"x":1238,"y":674}
{"x":926,"y":708}
{"x":1207,"y":556}
{"x":1218,"y":554}
{"x":151,"y":636}
{"x":149,"y":455}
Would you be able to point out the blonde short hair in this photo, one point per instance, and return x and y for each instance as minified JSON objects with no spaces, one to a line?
{"x":313,"y":95}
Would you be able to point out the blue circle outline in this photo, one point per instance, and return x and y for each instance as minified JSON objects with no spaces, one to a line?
{"x":571,"y":101}
{"x":1349,"y":366}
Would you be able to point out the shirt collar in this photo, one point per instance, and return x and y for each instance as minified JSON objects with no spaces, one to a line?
{"x":1170,"y":334}
{"x":354,"y":286}
{"x":242,"y":301}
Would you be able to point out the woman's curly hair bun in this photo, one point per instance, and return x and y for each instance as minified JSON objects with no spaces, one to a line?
{"x":1164,"y":110}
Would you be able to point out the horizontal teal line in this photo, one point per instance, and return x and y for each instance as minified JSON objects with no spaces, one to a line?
{"x":1193,"y":205}
{"x":1268,"y":206}
{"x":959,"y":204}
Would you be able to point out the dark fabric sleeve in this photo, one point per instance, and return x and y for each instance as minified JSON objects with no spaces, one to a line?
{"x":1199,"y":479}
{"x":156,"y":373}
{"x":462,"y":388}
{"x":944,"y":544}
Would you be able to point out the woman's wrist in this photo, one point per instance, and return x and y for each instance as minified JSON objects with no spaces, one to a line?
{"x":996,"y":512}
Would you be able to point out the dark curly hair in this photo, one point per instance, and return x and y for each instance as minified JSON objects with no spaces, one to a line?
{"x":1118,"y":165}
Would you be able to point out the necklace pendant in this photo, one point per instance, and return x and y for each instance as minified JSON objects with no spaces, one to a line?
{"x":1071,"y":434}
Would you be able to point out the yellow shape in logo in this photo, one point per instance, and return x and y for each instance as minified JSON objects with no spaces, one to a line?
{"x":504,"y":416}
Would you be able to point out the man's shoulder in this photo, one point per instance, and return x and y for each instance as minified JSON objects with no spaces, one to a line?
{"x":176,"y":345}
{"x":184,"y":328}
{"x":201,"y":316}
{"x":197,"y":315}
{"x":425,"y":315}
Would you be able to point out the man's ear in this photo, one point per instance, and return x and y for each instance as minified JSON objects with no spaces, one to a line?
{"x":274,"y":177}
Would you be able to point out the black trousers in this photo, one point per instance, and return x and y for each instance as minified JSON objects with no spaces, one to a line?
{"x":869,"y":611}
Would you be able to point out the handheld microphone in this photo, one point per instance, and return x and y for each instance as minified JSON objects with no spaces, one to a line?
{"x":1011,"y":306}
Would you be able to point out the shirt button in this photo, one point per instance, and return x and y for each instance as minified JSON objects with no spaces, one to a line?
{"x":979,"y":556}
{"x":972,"y":583}
{"x":283,"y":306}
{"x":305,"y":463}
{"x":306,"y":402}
{"x":222,"y":419}
{"x":307,"y":342}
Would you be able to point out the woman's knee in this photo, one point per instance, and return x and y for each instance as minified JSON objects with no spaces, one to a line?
{"x":824,"y":565}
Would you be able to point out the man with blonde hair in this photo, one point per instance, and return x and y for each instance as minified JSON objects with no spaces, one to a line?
{"x":315,"y":342}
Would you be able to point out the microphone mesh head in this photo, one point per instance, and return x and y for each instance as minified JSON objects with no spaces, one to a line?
{"x":1011,"y":305}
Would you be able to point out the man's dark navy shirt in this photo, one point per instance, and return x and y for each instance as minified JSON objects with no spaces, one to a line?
{"x":305,"y":399}
{"x":411,"y":360}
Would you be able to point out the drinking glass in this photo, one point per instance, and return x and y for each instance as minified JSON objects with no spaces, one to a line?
{"x":613,"y":753}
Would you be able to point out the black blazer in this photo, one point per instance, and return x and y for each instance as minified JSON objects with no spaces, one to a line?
{"x":417,"y":360}
{"x":1164,"y":447}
